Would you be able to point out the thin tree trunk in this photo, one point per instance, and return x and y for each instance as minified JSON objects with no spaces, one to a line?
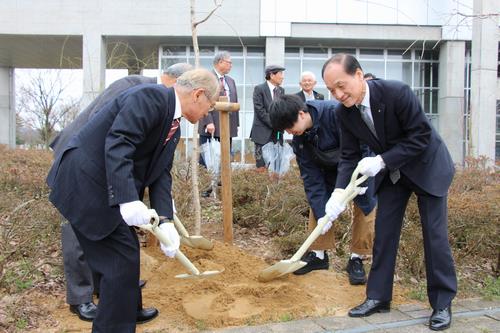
{"x":195,"y":151}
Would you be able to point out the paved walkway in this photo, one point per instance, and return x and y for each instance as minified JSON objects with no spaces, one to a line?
{"x":469,"y":316}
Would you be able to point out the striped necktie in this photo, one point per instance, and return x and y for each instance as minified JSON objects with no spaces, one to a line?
{"x":173,"y":129}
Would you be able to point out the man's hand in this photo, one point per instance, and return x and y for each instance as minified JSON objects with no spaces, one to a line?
{"x":370,"y":166}
{"x":135,"y":213}
{"x":173,"y":236}
{"x":334,"y":207}
{"x":210,"y":128}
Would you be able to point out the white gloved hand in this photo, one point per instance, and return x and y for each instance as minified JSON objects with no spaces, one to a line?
{"x":334,"y":207}
{"x":173,"y":236}
{"x":327,"y":225}
{"x":135,"y":213}
{"x":173,"y":207}
{"x":370,"y":166}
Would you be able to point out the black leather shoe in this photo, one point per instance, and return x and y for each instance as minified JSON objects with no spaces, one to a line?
{"x":146,"y":315}
{"x":142,"y":283}
{"x":369,"y":307}
{"x":440,"y":319}
{"x":356,"y":271}
{"x":313,"y":263}
{"x":85,"y":311}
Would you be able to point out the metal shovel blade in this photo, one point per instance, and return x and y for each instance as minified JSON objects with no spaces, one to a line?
{"x":280,"y":268}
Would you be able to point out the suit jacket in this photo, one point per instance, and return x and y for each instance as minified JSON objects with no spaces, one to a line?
{"x":262,"y":130}
{"x":113,"y":158}
{"x":406,"y":139}
{"x":316,"y":95}
{"x":319,"y":179}
{"x":213,"y":116}
{"x":111,"y":92}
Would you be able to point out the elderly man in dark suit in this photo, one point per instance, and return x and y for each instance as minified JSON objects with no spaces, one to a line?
{"x":307,"y":83}
{"x":80,"y":284}
{"x":98,"y":182}
{"x":411,"y":158}
{"x":209,"y":126}
{"x":263,"y":94}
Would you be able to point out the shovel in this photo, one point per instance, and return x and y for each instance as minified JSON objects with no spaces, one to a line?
{"x":294,"y":263}
{"x":162,"y":237}
{"x":196,"y":242}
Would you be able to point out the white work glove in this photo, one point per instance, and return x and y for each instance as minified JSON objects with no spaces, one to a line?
{"x":135,"y":213}
{"x":173,"y":236}
{"x":334,"y":207}
{"x":370,"y":166}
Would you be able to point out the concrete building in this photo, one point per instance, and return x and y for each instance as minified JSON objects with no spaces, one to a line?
{"x":425,"y":43}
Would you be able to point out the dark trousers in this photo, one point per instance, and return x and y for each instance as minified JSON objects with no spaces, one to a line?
{"x":115,"y":259}
{"x":80,"y":280}
{"x":440,"y":270}
{"x":259,"y":159}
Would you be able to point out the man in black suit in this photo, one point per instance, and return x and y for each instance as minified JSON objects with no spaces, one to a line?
{"x":80,"y":284}
{"x":411,"y":158}
{"x":98,"y":182}
{"x":263,"y":94}
{"x":307,"y":83}
{"x":209,"y":126}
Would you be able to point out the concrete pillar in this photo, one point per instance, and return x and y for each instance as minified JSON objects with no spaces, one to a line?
{"x":94,"y":66}
{"x":275,"y":51}
{"x":451,"y":97}
{"x":483,"y":79}
{"x":7,"y":108}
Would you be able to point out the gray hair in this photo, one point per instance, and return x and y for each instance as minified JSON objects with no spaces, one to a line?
{"x":305,"y":73}
{"x":177,"y":70}
{"x":222,"y":55}
{"x":199,"y":78}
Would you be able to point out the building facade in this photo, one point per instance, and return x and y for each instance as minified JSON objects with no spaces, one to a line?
{"x":426,"y":44}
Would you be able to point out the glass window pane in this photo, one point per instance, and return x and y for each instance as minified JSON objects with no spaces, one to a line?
{"x":255,"y":51}
{"x":292,"y":52}
{"x":374,"y":67}
{"x":314,"y":66}
{"x":248,"y":124}
{"x":255,"y":71}
{"x":174,"y":50}
{"x":236,"y":51}
{"x":398,"y":54}
{"x":435,"y":72}
{"x":292,"y":72}
{"x":422,"y":74}
{"x":237,"y":70}
{"x":166,"y":62}
{"x":204,"y":50}
{"x":427,"y":54}
{"x":371,"y":54}
{"x":348,"y":51}
{"x":400,"y":71}
{"x":434,"y":102}
{"x":248,"y":105}
{"x":316,"y":52}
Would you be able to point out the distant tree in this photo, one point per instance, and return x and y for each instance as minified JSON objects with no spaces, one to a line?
{"x":43,"y":105}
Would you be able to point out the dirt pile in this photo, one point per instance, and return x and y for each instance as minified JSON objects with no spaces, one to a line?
{"x":232,"y":298}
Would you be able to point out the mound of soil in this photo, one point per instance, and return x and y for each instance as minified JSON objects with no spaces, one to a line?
{"x":232,"y":298}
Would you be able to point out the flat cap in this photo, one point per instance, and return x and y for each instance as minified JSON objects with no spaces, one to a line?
{"x":273,"y":69}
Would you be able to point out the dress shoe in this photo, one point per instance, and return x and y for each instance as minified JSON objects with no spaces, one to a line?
{"x":369,"y":307}
{"x":313,"y":263}
{"x":146,"y":315}
{"x":85,"y":311}
{"x":440,"y":319}
{"x":356,"y":271}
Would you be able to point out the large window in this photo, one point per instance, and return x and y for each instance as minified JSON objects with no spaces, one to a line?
{"x":417,"y":68}
{"x":247,"y":71}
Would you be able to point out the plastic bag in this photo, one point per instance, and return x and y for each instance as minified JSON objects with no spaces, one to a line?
{"x":277,"y":157}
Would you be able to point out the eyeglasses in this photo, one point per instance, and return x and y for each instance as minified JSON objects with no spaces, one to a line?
{"x":212,"y":104}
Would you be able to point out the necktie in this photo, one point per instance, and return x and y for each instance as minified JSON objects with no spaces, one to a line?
{"x":276,"y":93}
{"x":173,"y":129}
{"x":222,"y":87}
{"x":366,"y":118}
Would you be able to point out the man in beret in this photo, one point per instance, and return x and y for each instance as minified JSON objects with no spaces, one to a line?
{"x":262,"y":131}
